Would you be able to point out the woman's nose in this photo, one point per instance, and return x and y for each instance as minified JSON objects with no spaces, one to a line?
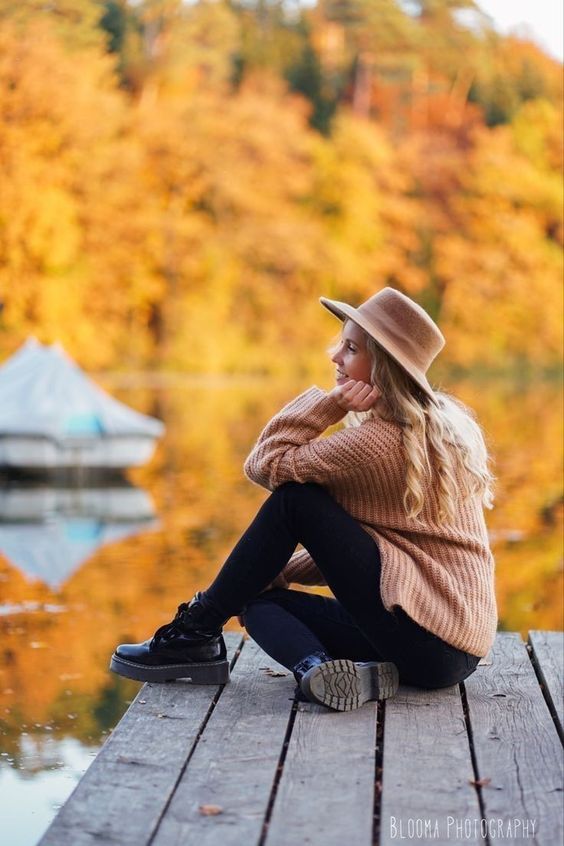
{"x":336,"y":358}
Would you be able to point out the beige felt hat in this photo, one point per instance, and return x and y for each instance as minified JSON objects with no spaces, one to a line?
{"x":400,"y":326}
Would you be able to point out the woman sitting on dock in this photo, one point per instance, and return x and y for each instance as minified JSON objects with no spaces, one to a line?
{"x":389,"y":511}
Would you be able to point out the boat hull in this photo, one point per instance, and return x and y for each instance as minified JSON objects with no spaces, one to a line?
{"x":41,"y":453}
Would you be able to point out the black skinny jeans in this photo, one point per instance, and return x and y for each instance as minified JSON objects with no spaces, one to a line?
{"x":290,"y":624}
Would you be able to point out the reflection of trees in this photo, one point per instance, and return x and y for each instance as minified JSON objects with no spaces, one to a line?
{"x":56,"y":664}
{"x":524,"y":426}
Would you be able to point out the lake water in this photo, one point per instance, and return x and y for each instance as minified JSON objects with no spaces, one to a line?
{"x":82,"y":569}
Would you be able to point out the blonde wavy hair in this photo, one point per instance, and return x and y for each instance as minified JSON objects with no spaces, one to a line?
{"x":446,"y":439}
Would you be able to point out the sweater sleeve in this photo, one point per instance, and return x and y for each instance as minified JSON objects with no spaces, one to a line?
{"x":289,"y":447}
{"x":302,"y":570}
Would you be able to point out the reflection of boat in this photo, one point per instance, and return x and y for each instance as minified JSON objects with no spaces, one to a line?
{"x":40,"y":503}
{"x":48,"y":532}
{"x":53,"y":416}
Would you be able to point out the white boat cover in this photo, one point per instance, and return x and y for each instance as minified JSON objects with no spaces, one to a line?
{"x":43,"y":392}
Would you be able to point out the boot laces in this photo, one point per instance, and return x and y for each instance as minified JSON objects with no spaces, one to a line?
{"x":176,"y":626}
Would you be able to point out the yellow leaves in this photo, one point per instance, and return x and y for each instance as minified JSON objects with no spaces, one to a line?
{"x":53,"y":235}
{"x":269,"y":671}
{"x":199,"y":225}
{"x":210,"y":810}
{"x":536,"y":131}
{"x":500,"y":267}
{"x":60,"y":124}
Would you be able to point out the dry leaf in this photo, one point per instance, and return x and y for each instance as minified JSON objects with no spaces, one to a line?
{"x":270,"y":672}
{"x":210,"y":810}
{"x":481,"y":782}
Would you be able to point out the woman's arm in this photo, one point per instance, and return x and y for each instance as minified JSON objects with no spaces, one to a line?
{"x":302,"y":570}
{"x":290,"y":447}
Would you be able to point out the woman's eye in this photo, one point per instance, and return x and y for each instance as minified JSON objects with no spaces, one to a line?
{"x":350,"y":347}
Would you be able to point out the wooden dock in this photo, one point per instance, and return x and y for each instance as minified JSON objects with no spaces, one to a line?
{"x":243,"y":763}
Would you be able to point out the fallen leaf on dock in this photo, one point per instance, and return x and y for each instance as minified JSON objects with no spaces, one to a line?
{"x":210,"y":810}
{"x":481,"y":782}
{"x":270,"y":672}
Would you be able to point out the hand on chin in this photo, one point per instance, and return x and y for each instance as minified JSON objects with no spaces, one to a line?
{"x":354,"y":395}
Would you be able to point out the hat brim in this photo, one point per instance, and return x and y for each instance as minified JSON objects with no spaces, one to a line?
{"x":344,"y":311}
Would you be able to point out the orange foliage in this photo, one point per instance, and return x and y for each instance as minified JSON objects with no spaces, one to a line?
{"x":186,"y":225}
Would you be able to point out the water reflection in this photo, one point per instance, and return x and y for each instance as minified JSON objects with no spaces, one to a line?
{"x":48,"y":532}
{"x":53,"y":768}
{"x":59,"y":625}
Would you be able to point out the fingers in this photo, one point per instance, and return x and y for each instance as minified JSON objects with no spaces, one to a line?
{"x":359,"y":396}
{"x":366,"y":401}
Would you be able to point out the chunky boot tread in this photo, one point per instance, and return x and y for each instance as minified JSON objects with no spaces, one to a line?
{"x":344,"y":685}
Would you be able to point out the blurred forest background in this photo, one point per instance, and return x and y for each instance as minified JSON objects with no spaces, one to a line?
{"x":181,"y":181}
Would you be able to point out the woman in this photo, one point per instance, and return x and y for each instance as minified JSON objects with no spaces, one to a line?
{"x":389,"y":511}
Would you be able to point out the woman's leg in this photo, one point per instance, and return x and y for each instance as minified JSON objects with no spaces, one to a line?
{"x":301,"y":513}
{"x":350,"y":562}
{"x":291,"y":624}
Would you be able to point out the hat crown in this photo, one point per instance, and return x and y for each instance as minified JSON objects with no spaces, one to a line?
{"x":407,"y":326}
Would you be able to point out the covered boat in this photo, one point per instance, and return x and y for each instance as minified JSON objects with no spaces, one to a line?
{"x":53,"y":416}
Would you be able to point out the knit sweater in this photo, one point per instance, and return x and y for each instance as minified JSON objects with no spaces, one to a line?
{"x":441,"y":575}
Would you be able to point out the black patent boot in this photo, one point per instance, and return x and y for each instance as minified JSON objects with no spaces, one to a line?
{"x":190,"y":647}
{"x":342,"y":684}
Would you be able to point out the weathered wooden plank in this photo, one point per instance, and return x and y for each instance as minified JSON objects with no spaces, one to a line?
{"x":548,"y":655}
{"x":121,"y":797}
{"x":326,"y":793}
{"x":176,"y":750}
{"x":516,"y":747}
{"x":234,"y":764}
{"x":427,"y":768}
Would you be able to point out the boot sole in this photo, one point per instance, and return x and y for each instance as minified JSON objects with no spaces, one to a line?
{"x":202,"y":672}
{"x":344,"y":685}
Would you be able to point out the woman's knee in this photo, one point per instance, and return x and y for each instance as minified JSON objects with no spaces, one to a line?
{"x":261,"y":603}
{"x":299,"y":489}
{"x":302,"y":501}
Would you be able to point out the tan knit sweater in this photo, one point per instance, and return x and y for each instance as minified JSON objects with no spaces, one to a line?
{"x":441,"y":575}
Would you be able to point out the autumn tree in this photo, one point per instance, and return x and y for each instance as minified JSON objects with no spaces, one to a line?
{"x":69,"y":211}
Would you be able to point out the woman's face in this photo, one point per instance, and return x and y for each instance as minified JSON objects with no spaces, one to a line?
{"x":352,"y":358}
